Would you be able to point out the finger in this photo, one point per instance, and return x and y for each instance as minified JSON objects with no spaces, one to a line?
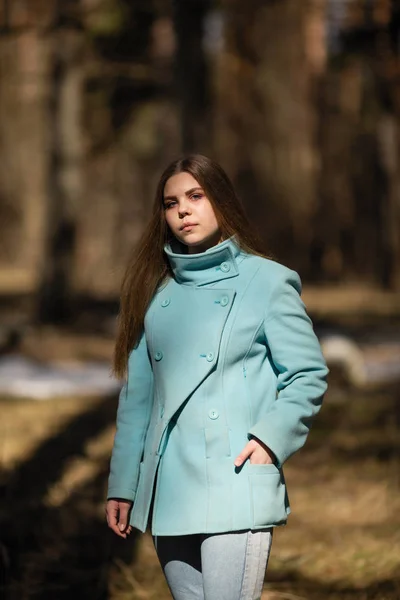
{"x":123,"y":516}
{"x":116,"y":530}
{"x":244,"y":455}
{"x":113,"y":525}
{"x":112,"y":521}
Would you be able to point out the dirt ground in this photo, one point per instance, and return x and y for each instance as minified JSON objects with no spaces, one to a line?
{"x":342,"y":539}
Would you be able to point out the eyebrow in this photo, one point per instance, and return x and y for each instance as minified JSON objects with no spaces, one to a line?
{"x":187,"y":193}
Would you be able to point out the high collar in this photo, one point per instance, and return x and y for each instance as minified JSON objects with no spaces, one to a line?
{"x":216,"y":263}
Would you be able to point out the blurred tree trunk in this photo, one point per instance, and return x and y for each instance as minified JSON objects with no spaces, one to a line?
{"x":345,"y":151}
{"x":41,"y":66}
{"x":24,"y":141}
{"x":266,"y":122}
{"x":358,"y":226}
{"x":388,"y":71}
{"x":66,"y":153}
{"x":192,"y":78}
{"x":132,"y":132}
{"x":389,"y":142}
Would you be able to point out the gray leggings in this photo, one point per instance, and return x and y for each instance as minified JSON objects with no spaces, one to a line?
{"x":218,"y":566}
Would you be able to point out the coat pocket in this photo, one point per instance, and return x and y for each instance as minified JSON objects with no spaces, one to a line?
{"x":217,"y":442}
{"x":268,"y":495}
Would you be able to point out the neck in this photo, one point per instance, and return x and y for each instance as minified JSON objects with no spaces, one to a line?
{"x":206,"y":245}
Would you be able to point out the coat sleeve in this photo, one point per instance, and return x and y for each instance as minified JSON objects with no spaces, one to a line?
{"x":301,"y":371}
{"x":133,"y":417}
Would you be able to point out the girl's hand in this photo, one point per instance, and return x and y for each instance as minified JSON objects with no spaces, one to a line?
{"x":117,"y":513}
{"x":258,"y":453}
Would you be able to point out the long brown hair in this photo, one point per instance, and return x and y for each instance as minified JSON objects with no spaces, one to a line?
{"x":149,"y":267}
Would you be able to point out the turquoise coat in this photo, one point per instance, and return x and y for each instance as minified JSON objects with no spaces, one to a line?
{"x":228,"y":352}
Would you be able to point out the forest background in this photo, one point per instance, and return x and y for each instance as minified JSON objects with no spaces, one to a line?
{"x":298,"y":100}
{"x":300,"y":103}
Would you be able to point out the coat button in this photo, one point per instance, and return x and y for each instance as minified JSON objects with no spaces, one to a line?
{"x":158,"y":355}
{"x":213,"y":414}
{"x":165,"y":302}
{"x":225,"y":267}
{"x":224,"y":300}
{"x":210,"y":356}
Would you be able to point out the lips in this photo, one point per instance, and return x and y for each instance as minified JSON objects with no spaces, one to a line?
{"x":187,"y":226}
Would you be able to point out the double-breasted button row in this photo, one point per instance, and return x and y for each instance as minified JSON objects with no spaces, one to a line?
{"x":223,"y":301}
{"x":209,"y":357}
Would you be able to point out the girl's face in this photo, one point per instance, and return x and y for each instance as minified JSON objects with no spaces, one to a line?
{"x":189,"y":213}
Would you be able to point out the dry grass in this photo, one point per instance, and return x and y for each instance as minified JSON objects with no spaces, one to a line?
{"x":342,"y":540}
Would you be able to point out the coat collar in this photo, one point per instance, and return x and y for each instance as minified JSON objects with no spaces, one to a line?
{"x":216,"y":263}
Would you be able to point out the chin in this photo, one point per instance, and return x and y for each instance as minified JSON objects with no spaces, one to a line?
{"x":195,"y":239}
{"x":192,"y":240}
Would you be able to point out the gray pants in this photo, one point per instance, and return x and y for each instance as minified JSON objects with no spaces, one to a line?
{"x":218,"y":566}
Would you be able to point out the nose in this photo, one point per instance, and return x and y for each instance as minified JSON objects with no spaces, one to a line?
{"x":184,"y":208}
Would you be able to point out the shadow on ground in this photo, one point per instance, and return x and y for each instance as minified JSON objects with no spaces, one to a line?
{"x":66,"y":551}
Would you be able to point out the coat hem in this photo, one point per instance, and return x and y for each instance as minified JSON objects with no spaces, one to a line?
{"x":215,"y":530}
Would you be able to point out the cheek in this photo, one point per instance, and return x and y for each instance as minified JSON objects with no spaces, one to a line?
{"x":169,"y":217}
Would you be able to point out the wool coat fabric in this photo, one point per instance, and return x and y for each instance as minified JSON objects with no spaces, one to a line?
{"x":228,"y":353}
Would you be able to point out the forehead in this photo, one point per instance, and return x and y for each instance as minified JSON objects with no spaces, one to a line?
{"x":179,"y":184}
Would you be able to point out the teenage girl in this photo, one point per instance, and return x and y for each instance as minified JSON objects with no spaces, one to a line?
{"x":224,"y":375}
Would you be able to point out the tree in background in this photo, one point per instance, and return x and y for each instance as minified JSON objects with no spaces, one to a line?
{"x":266,"y":122}
{"x":298,"y":101}
{"x":307,"y":120}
